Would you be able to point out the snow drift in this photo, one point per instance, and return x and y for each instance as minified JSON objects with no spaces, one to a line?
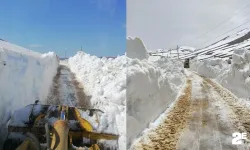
{"x":235,"y":77}
{"x":210,"y":67}
{"x":136,"y":48}
{"x":25,"y":76}
{"x":151,"y":87}
{"x":105,"y":81}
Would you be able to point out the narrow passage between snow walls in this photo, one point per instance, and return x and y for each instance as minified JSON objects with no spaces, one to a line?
{"x":204,"y":116}
{"x":83,"y":81}
{"x":172,"y":108}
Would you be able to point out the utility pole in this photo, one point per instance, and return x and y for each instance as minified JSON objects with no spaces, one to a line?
{"x":178,"y":51}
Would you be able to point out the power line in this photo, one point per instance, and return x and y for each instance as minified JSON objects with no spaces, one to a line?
{"x":222,"y":22}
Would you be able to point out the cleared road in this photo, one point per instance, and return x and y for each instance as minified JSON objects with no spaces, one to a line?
{"x":202,"y":118}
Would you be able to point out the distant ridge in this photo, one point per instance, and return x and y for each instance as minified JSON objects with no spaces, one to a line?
{"x":222,"y":48}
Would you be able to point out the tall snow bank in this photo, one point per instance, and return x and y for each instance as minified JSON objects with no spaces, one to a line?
{"x":234,"y":77}
{"x":25,"y":76}
{"x":151,"y":87}
{"x":237,"y":77}
{"x":210,"y":67}
{"x":136,"y":48}
{"x":105,"y":81}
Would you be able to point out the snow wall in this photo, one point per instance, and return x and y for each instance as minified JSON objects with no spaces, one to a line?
{"x":136,"y":48}
{"x":25,"y":76}
{"x":235,"y":77}
{"x":105,"y":81}
{"x":151,"y":87}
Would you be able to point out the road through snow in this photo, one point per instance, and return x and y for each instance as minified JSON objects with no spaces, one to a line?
{"x":203,"y":117}
{"x":66,"y":90}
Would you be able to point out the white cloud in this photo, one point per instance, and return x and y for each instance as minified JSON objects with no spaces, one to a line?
{"x":165,"y":24}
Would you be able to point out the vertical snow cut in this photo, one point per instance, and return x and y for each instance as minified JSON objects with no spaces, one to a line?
{"x":25,"y":76}
{"x":151,"y":87}
{"x":136,"y":48}
{"x":104,"y":81}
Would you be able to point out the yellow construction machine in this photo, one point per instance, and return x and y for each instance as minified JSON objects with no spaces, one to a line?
{"x":50,"y":127}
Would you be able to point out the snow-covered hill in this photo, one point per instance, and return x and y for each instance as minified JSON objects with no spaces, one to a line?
{"x":172,"y":53}
{"x":224,"y":47}
{"x":221,"y":49}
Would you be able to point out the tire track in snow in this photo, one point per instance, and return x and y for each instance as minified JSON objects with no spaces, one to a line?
{"x":53,"y":97}
{"x":205,"y":121}
{"x":202,"y":128}
{"x":242,"y":119}
{"x":166,"y":135}
{"x":216,"y":136}
{"x":212,"y":130}
{"x":66,"y":90}
{"x":225,"y":119}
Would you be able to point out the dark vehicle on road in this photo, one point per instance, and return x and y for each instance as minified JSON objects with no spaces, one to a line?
{"x":186,"y":63}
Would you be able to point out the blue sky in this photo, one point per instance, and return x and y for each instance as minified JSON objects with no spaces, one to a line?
{"x":65,"y":25}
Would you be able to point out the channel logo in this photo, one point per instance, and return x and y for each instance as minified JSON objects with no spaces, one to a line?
{"x":238,"y":138}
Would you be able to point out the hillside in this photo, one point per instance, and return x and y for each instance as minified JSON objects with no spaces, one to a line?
{"x":224,"y":47}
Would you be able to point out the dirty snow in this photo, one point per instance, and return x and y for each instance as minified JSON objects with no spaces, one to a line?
{"x":152,"y":84}
{"x":201,"y":118}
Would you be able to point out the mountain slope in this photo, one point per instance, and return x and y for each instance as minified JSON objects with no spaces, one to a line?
{"x":224,"y":47}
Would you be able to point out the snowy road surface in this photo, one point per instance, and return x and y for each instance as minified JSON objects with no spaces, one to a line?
{"x":67,"y":90}
{"x":203,"y":117}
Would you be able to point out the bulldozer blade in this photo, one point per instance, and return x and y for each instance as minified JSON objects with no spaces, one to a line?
{"x":35,"y":130}
{"x":75,"y":134}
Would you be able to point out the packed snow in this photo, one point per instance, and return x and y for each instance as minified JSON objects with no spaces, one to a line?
{"x":136,"y":48}
{"x":235,"y":76}
{"x":25,"y":76}
{"x":105,"y":81}
{"x":210,"y":67}
{"x":152,"y":84}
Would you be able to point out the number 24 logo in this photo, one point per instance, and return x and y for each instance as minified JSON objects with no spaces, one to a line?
{"x":238,"y":137}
